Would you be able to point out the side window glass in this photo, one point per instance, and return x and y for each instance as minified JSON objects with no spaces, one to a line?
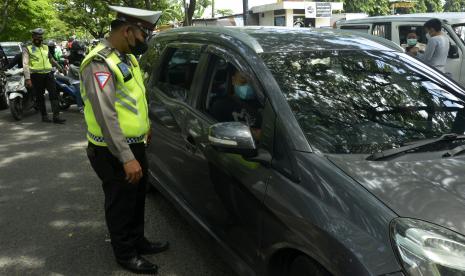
{"x":178,"y":72}
{"x":232,"y":96}
{"x":419,"y":31}
{"x":382,"y":30}
{"x":361,"y":28}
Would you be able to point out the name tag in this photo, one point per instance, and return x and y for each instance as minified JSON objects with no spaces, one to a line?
{"x":124,"y":68}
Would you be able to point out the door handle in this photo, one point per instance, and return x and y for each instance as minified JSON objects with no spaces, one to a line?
{"x":191,"y":145}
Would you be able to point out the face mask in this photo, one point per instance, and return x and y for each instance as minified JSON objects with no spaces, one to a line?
{"x":37,"y":42}
{"x":244,"y":92}
{"x":428,"y":36}
{"x":411,"y":41}
{"x":140,"y":47}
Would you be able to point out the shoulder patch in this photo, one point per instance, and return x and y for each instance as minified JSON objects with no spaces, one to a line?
{"x":102,"y":78}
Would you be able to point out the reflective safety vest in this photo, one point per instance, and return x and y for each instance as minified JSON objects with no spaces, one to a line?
{"x":38,"y":59}
{"x":131,"y":103}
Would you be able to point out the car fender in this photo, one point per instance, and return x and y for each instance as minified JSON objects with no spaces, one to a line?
{"x":14,"y":95}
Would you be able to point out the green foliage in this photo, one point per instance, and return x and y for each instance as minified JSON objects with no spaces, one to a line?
{"x":454,"y":6}
{"x":428,"y":6}
{"x":224,"y":12}
{"x":371,"y":7}
{"x":19,"y":17}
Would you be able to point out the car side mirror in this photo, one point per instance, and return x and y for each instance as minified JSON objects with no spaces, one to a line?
{"x":232,"y":137}
{"x":453,"y":52}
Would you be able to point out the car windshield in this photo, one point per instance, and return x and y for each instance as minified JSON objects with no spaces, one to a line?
{"x":361,"y":102}
{"x":460,"y":31}
{"x":11,"y":50}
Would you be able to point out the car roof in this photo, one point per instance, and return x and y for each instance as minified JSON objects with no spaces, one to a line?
{"x":281,"y":39}
{"x":10,"y":43}
{"x":447,"y":17}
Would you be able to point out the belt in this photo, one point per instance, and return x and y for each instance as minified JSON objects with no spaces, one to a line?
{"x":129,"y":140}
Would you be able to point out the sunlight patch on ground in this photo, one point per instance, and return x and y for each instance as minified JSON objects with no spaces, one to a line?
{"x":61,"y":224}
{"x":21,"y":262}
{"x":67,"y":175}
{"x":18,"y":156}
{"x":67,"y":207}
{"x":32,"y":189}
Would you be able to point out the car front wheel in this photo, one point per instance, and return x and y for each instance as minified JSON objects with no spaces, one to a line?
{"x":304,"y":266}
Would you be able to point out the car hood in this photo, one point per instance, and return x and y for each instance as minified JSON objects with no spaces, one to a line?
{"x":432,"y":190}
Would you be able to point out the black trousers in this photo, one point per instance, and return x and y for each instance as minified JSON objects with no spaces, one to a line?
{"x":124,"y":202}
{"x":40,"y":82}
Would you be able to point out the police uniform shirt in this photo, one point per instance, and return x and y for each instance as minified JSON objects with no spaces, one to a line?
{"x":102,"y":98}
{"x":26,"y":68}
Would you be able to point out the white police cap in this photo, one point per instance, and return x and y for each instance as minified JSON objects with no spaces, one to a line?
{"x":142,"y":18}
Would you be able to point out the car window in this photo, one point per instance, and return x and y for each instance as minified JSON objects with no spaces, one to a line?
{"x":232,"y":96}
{"x":382,"y":30}
{"x":357,"y":28}
{"x":11,"y":50}
{"x":360,"y":102}
{"x":178,"y":72}
{"x":460,"y":31}
{"x":405,"y":30}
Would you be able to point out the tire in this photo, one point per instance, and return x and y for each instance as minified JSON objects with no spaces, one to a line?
{"x":3,"y":99}
{"x":16,"y":108}
{"x":304,"y":266}
{"x":64,"y":103}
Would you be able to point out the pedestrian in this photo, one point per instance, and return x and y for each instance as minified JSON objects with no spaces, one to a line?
{"x":437,"y":49}
{"x":116,"y":115}
{"x":37,"y":66}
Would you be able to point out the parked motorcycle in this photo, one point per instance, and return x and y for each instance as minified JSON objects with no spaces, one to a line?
{"x":19,"y":97}
{"x":69,"y":91}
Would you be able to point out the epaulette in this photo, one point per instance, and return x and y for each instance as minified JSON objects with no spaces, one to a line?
{"x":105,"y":52}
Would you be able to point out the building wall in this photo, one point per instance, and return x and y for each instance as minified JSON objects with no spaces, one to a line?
{"x":267,"y":20}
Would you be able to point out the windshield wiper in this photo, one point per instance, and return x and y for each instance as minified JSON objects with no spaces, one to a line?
{"x":392,"y":152}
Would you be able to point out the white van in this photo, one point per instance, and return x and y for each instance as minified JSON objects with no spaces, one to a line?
{"x":397,"y":27}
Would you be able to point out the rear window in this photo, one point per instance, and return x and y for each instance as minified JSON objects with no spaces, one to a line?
{"x":11,"y":50}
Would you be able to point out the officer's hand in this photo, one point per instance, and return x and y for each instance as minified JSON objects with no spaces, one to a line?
{"x":28,"y":83}
{"x":133,"y":171}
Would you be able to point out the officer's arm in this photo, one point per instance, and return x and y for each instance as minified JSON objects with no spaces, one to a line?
{"x":102,"y":101}
{"x":54,"y":62}
{"x":26,"y":70}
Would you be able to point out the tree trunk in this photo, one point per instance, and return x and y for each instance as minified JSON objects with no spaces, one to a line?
{"x":4,"y":19}
{"x":148,"y":4}
{"x":190,"y":13}
{"x":213,"y":8}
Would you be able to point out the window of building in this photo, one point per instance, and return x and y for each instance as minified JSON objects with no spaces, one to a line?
{"x":280,"y":21}
{"x":279,"y":12}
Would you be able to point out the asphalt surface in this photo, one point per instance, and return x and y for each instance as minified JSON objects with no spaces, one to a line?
{"x":51,"y":209}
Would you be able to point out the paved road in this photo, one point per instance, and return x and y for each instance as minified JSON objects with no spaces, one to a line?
{"x":51,"y":209}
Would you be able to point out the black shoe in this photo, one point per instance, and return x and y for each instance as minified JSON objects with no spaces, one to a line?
{"x":150,"y":248}
{"x":57,"y":120}
{"x":138,"y":265}
{"x":46,"y":119}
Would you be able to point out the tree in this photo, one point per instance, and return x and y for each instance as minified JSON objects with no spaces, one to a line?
{"x":428,"y":6}
{"x":19,"y":17}
{"x":371,"y":7}
{"x":225,"y":12}
{"x":454,"y":6}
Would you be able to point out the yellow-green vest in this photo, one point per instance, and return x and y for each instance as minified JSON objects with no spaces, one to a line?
{"x":131,"y":103}
{"x":38,"y":59}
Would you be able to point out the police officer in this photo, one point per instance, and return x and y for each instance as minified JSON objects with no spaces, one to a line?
{"x":117,"y":124}
{"x":37,"y":66}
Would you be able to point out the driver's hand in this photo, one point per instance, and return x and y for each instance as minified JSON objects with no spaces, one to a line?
{"x":29,"y":83}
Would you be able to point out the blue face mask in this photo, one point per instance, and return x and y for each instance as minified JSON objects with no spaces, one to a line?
{"x":244,"y":92}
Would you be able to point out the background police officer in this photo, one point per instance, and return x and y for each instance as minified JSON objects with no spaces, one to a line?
{"x":116,"y":114}
{"x":37,"y":66}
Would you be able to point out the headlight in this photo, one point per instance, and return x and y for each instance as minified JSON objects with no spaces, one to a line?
{"x":426,"y":249}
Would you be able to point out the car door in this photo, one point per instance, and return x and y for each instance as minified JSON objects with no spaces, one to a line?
{"x":232,"y":199}
{"x":170,"y":155}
